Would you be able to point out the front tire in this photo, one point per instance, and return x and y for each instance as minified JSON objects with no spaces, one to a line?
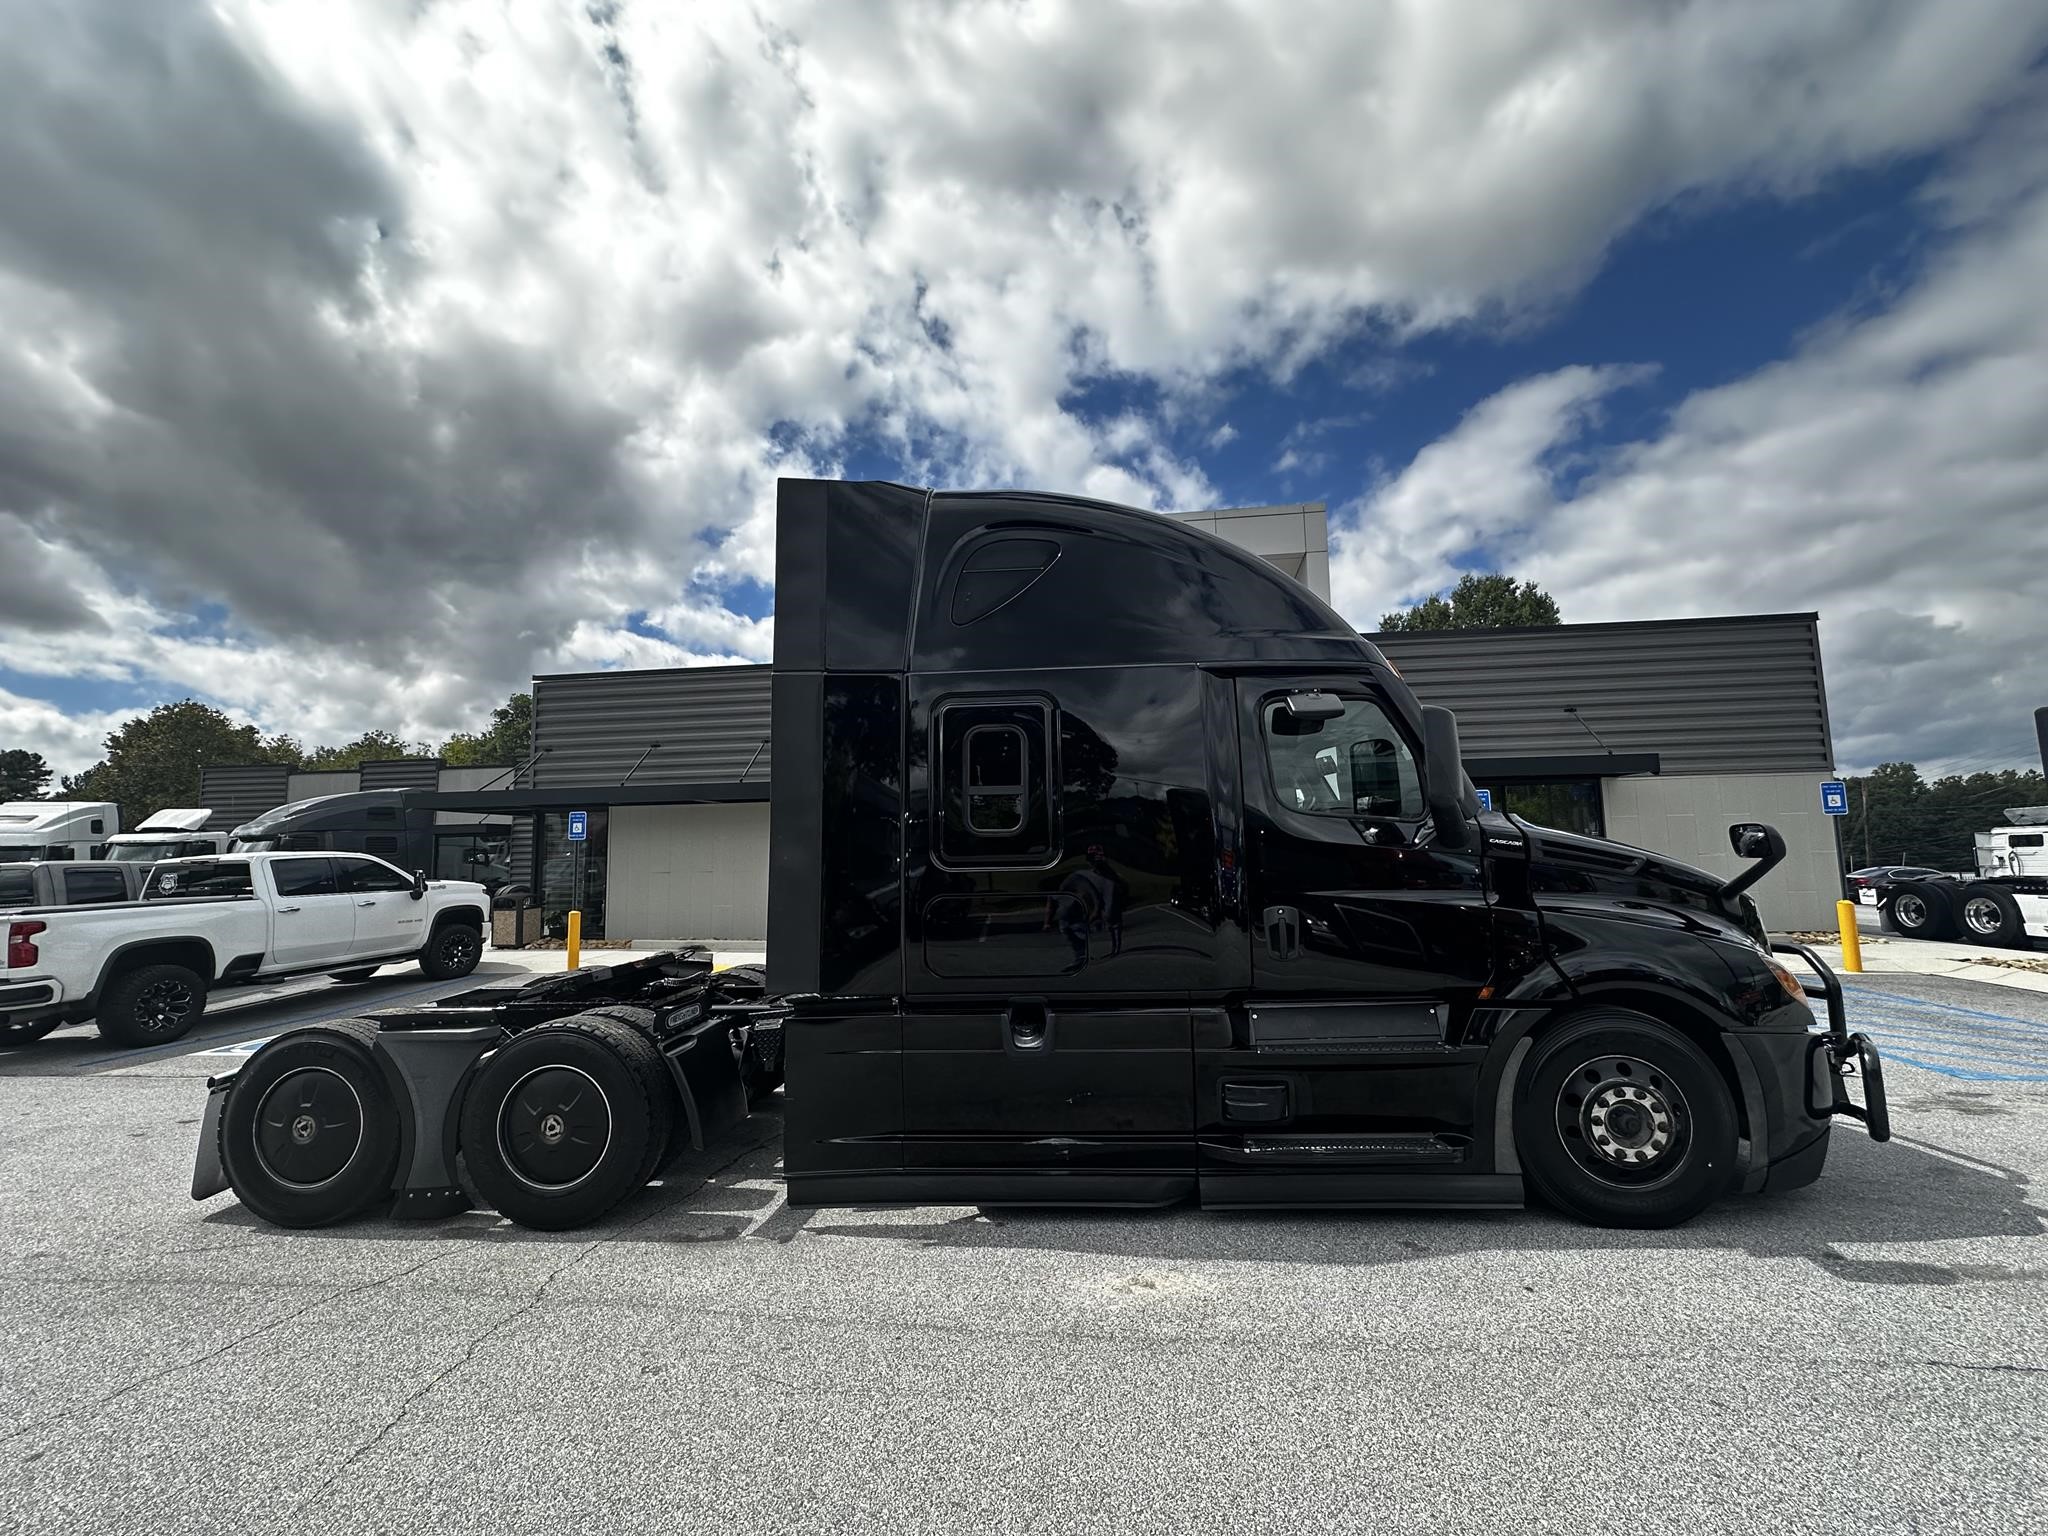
{"x":151,"y":1005}
{"x":310,"y":1132}
{"x":453,"y":951}
{"x":1621,"y":1121}
{"x":566,"y":1120}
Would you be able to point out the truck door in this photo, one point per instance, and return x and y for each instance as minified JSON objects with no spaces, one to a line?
{"x":388,"y":920}
{"x":314,"y":920}
{"x":1344,"y":1074}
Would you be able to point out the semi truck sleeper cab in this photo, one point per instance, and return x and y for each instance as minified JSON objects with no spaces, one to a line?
{"x":1110,"y":866}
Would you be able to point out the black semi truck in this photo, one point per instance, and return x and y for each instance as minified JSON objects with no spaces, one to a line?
{"x":1109,"y":867}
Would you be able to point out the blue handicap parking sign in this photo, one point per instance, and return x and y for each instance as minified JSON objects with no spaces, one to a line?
{"x":1834,"y":797}
{"x":1485,"y":799}
{"x":579,"y":826}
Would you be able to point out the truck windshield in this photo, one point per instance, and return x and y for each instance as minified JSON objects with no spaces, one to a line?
{"x":123,"y":852}
{"x":14,"y":853}
{"x":225,"y":878}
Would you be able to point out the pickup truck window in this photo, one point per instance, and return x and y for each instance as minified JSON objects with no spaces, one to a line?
{"x":95,"y":885}
{"x":229,"y":877}
{"x":16,"y":885}
{"x":305,"y":877}
{"x":1355,"y":765}
{"x":369,"y":875}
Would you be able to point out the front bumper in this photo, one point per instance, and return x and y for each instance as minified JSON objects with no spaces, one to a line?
{"x":1836,"y":1057}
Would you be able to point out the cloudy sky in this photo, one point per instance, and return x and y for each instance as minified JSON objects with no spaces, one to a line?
{"x":359,"y":359}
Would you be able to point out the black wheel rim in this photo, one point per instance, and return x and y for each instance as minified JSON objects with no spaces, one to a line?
{"x":163,"y":1006}
{"x":309,"y":1127}
{"x":554,"y":1127}
{"x":460,"y":948}
{"x":1624,"y":1121}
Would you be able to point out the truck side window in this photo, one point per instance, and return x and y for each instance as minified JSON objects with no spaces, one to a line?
{"x":95,"y":885}
{"x":994,"y":772}
{"x":2028,"y":839}
{"x":368,"y":875}
{"x":1357,"y":764}
{"x":16,"y":885}
{"x":224,"y":879}
{"x":305,"y":877}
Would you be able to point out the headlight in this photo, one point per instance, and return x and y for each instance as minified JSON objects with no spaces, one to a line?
{"x":1787,"y":978}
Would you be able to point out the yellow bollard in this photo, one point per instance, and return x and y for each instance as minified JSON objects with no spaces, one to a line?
{"x":576,"y":941}
{"x":1852,"y":942}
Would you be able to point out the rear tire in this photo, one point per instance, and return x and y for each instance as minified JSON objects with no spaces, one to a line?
{"x":351,"y":978}
{"x":151,"y":1005}
{"x":453,"y":951}
{"x":1920,"y":911}
{"x":1987,"y":914}
{"x":1621,"y":1121}
{"x":309,"y":1135}
{"x":566,"y":1120}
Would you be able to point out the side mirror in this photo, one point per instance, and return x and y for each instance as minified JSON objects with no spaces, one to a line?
{"x":419,"y":884}
{"x":1754,"y":840}
{"x":1443,"y":777}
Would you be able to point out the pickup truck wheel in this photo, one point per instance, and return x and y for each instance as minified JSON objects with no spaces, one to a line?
{"x":1990,"y":916}
{"x":453,"y":951}
{"x":310,"y":1132}
{"x":566,"y":1120}
{"x":151,"y":1004}
{"x":1623,"y":1122}
{"x":1919,"y":911}
{"x":350,"y":978}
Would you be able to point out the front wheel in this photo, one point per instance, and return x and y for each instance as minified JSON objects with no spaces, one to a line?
{"x":151,"y":1004}
{"x":1622,"y":1121}
{"x":453,"y":951}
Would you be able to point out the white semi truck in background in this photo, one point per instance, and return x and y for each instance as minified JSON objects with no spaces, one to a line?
{"x":169,"y":834}
{"x":2007,"y":903}
{"x":56,"y":829}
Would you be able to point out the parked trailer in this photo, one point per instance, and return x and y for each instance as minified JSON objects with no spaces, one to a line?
{"x":1109,"y":867}
{"x":2006,"y":904}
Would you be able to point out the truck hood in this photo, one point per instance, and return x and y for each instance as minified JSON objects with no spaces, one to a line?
{"x":1570,"y":863}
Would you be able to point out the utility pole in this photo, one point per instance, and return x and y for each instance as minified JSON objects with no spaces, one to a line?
{"x":1863,"y":785}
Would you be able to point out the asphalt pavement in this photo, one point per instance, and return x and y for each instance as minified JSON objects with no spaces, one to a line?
{"x":1867,"y":1354}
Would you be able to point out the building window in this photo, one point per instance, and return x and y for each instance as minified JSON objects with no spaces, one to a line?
{"x":573,"y":876}
{"x":1569,"y":805}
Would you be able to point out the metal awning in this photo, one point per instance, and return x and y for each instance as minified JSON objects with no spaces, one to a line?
{"x":1567,"y":765}
{"x":589,"y":797}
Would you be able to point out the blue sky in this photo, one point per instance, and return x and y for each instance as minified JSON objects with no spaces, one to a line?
{"x":346,"y":396}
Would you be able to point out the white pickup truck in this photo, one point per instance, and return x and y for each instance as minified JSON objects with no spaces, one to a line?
{"x":142,"y":970}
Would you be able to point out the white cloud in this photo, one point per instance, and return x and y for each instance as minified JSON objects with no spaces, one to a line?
{"x":432,"y":342}
{"x":1890,"y":475}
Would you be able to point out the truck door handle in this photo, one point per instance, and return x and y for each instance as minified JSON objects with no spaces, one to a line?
{"x":287,"y":909}
{"x":1282,"y":926}
{"x":366,"y":903}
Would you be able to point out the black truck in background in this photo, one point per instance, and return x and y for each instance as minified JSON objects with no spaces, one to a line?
{"x":1109,"y":866}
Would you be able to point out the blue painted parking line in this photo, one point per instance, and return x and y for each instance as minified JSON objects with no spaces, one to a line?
{"x":1972,"y":1044}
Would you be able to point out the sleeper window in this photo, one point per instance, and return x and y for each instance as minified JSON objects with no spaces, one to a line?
{"x":994,"y":771}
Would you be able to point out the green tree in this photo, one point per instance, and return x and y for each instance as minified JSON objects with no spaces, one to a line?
{"x":23,"y":775}
{"x":1897,"y":817}
{"x":507,"y":742}
{"x":1488,"y":601}
{"x":370,"y":747}
{"x":153,"y":760}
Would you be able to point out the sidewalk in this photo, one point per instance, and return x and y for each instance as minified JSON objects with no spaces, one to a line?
{"x":542,"y":960}
{"x":1887,"y":952}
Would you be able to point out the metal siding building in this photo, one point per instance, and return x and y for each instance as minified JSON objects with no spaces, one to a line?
{"x":239,"y":792}
{"x":703,"y":724}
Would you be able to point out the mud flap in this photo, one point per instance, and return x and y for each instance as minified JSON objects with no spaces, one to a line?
{"x":208,"y":1177}
{"x":708,"y":1080}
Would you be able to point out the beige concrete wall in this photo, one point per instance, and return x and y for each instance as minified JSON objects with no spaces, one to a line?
{"x":1688,"y":816}
{"x":687,"y":872}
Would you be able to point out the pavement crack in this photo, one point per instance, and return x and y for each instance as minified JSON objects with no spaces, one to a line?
{"x":1966,"y":1365}
{"x":181,"y":1366}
